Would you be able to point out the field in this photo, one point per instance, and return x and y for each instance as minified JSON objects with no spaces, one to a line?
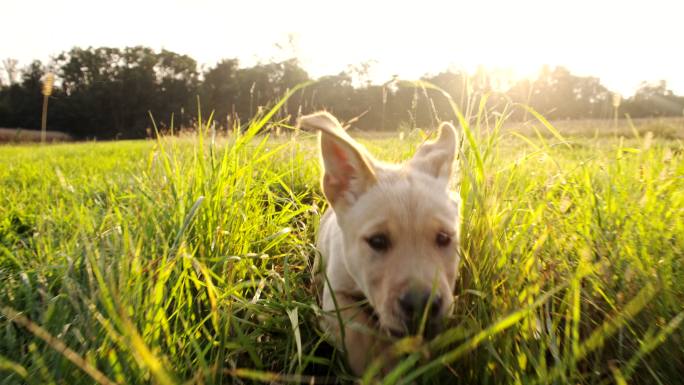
{"x":188,"y":260}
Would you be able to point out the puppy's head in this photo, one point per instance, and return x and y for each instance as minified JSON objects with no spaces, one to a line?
{"x":400,"y":225}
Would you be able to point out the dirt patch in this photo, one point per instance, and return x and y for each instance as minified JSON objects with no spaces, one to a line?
{"x":16,"y":135}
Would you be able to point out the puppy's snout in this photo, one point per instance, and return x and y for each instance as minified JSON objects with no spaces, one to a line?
{"x":416,"y":302}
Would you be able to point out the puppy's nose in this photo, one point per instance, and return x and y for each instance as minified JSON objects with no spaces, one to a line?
{"x":413,"y":304}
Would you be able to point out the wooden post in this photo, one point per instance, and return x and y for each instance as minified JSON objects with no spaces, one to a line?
{"x":47,"y":91}
{"x":617,"y":98}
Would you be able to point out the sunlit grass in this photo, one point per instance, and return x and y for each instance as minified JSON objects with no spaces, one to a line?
{"x":189,"y":261}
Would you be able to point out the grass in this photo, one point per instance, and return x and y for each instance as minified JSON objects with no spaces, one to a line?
{"x":666,"y":128}
{"x":189,"y":261}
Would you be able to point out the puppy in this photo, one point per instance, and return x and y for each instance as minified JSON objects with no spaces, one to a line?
{"x":389,"y":245}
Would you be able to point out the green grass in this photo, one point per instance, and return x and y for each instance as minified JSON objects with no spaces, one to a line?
{"x":189,"y":261}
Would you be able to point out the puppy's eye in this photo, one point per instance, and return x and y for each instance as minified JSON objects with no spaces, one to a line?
{"x":443,"y":239}
{"x":378,"y":242}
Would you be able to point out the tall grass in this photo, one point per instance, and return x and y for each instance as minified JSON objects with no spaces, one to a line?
{"x":188,"y":261}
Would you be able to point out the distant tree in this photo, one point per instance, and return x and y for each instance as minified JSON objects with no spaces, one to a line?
{"x":20,"y":103}
{"x":177,"y":87}
{"x":219,"y":90}
{"x":107,"y":92}
{"x":334,"y":93}
{"x":418,"y":106}
{"x":235,"y":93}
{"x":558,"y":94}
{"x":457,"y":84}
{"x":264,"y":84}
{"x":11,"y":70}
{"x":291,"y":74}
{"x":362,"y":73}
{"x":654,"y":99}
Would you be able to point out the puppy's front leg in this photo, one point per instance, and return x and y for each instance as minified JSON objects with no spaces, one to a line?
{"x":362,"y":339}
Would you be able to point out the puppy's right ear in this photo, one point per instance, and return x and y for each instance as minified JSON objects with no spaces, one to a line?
{"x":436,"y":158}
{"x":348,"y":171}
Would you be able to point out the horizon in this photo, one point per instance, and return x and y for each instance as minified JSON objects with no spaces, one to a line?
{"x":515,"y":43}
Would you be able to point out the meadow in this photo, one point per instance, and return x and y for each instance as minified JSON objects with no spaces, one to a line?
{"x":188,"y":260}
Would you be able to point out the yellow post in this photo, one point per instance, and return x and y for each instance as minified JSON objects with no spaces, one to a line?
{"x":48,"y":82}
{"x":617,"y":98}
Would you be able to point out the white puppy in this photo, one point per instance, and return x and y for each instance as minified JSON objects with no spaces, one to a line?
{"x":389,"y":245}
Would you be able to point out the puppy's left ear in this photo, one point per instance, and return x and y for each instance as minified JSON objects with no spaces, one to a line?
{"x":436,"y":158}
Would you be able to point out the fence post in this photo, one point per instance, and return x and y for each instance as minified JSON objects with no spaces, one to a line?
{"x":47,"y":91}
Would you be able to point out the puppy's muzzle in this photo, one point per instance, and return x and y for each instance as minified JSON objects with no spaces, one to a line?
{"x":421,"y":311}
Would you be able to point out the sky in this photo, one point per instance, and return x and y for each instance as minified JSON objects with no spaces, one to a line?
{"x":621,"y":42}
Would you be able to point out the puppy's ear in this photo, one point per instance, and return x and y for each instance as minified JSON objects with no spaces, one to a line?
{"x":348,"y":170}
{"x":436,"y":158}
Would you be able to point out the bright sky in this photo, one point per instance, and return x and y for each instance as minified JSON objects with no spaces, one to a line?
{"x":622,"y":42}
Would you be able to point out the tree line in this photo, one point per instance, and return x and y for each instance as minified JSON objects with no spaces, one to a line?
{"x":110,"y":93}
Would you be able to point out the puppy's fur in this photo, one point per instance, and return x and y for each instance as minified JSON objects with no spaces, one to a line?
{"x":391,"y":238}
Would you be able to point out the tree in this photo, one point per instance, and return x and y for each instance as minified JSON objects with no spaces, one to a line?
{"x":557,"y":94}
{"x":107,"y":93}
{"x":11,"y":71}
{"x":654,"y":99}
{"x":20,"y":103}
{"x":178,"y":84}
{"x":220,"y":89}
